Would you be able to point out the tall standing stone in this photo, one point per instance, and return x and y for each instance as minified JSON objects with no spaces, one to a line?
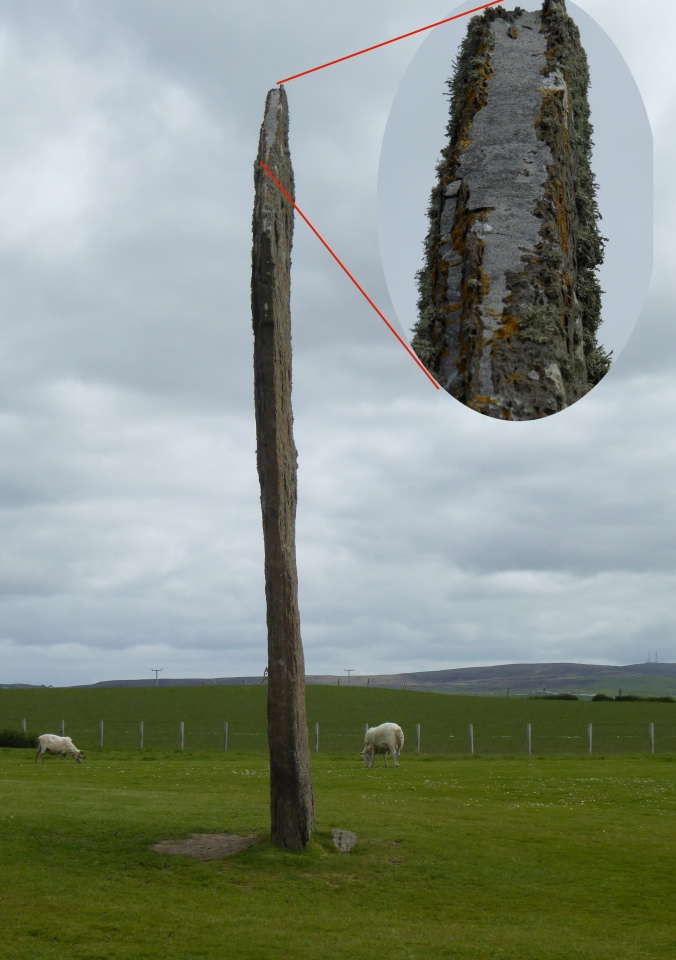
{"x":509,"y":298}
{"x":291,"y":796}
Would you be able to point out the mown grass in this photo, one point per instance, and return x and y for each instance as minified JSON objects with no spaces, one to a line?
{"x":541,"y":859}
{"x":558,"y":727}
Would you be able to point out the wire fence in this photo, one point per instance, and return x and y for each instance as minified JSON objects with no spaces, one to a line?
{"x":459,"y":739}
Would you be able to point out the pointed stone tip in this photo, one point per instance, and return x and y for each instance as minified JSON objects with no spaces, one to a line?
{"x":554,"y":6}
{"x":276,"y":115}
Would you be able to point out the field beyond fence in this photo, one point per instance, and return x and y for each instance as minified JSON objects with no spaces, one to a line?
{"x":233,"y":719}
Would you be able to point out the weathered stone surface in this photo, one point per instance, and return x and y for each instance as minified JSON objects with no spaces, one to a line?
{"x":453,"y":189}
{"x":291,"y":796}
{"x":344,"y":840}
{"x":509,"y":303}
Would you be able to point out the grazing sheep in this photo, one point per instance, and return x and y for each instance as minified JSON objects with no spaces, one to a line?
{"x":387,"y":738}
{"x":50,"y":743}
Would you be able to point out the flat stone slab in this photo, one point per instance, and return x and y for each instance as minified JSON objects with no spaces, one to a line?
{"x":344,"y":840}
{"x":206,"y":846}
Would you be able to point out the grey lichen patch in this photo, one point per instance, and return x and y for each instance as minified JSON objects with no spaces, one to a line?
{"x":539,"y":324}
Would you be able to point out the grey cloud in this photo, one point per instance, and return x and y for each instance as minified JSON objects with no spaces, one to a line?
{"x":129,"y":506}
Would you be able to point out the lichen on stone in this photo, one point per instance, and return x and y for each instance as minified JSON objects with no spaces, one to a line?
{"x":491,"y":314}
{"x":539,"y":324}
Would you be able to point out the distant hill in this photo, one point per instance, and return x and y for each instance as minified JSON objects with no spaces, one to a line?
{"x":644,"y":679}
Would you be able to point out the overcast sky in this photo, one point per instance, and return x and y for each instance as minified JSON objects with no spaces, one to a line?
{"x":428,"y":536}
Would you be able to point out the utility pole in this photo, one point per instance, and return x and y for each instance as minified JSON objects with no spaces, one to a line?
{"x":291,"y":795}
{"x":349,"y":671}
{"x":156,"y":672}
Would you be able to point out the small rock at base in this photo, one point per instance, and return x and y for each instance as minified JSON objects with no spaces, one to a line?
{"x":344,"y":840}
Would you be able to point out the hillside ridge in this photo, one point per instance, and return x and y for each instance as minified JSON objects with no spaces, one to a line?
{"x":515,"y":678}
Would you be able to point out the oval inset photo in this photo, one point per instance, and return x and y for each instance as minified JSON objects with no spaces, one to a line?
{"x":520,"y":277}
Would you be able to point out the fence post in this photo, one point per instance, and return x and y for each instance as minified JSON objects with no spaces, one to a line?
{"x":366,"y":726}
{"x":471,"y":739}
{"x":417,"y":738}
{"x":316,"y":738}
{"x":651,"y":736}
{"x":23,"y":725}
{"x":589,"y":739}
{"x":100,"y":734}
{"x":140,"y":735}
{"x":225,"y":737}
{"x":529,"y":739}
{"x":63,"y":728}
{"x":181,"y":735}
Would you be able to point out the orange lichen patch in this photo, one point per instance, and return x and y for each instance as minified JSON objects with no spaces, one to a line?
{"x":484,"y":405}
{"x":440,"y":273}
{"x":460,"y":228}
{"x":552,"y":114}
{"x":512,"y":378}
{"x":507,"y":329}
{"x":463,"y":221}
{"x":556,"y":189}
{"x":552,"y":56}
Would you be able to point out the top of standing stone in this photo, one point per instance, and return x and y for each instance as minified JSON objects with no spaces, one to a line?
{"x":273,"y":152}
{"x":274,"y":107}
{"x":554,"y":6}
{"x":275,"y":126}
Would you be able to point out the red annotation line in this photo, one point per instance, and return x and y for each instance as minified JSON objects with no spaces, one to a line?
{"x":345,"y":270}
{"x":393,"y":40}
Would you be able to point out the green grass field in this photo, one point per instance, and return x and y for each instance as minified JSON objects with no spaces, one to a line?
{"x":505,"y":859}
{"x":558,"y":727}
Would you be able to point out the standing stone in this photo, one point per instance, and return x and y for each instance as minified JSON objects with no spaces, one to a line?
{"x":291,"y":796}
{"x":509,"y":298}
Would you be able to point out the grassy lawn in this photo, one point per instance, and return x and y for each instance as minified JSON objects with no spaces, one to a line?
{"x":457,"y":858}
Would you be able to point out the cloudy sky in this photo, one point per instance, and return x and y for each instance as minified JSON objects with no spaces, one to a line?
{"x":428,"y":535}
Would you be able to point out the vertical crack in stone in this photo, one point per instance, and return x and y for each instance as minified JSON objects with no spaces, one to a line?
{"x":509,"y":301}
